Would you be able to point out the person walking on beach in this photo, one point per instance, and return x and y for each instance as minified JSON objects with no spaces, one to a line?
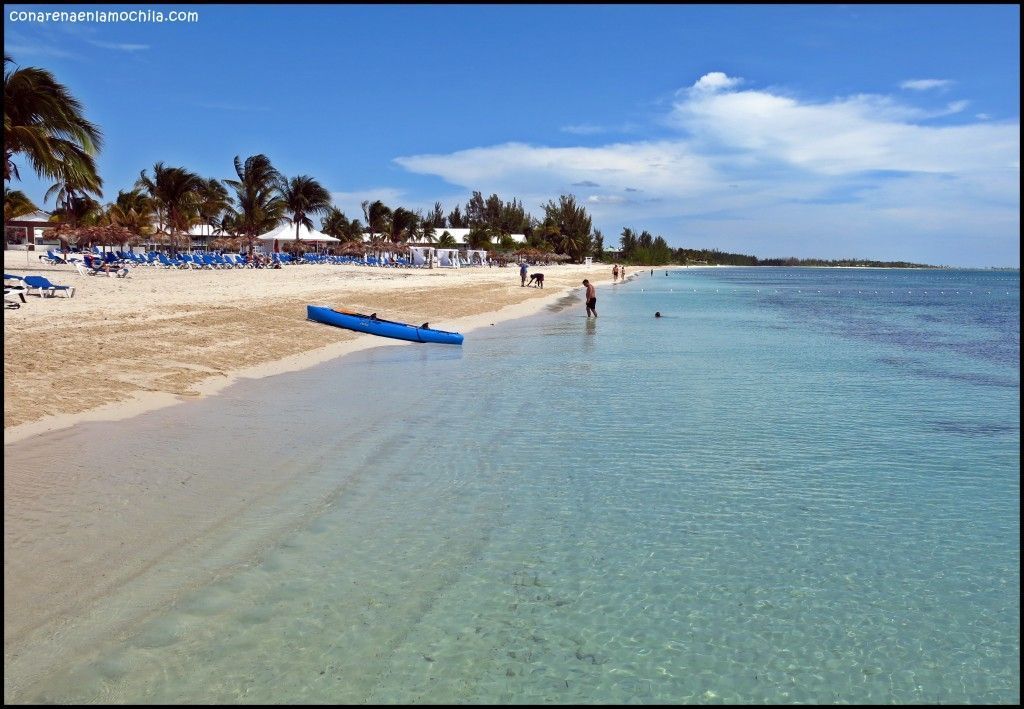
{"x":591,"y":298}
{"x":615,"y":273}
{"x":522,"y":273}
{"x":622,"y":274}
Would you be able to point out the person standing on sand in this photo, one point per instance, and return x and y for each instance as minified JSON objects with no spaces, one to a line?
{"x":622,"y":274}
{"x":522,"y":273}
{"x":591,"y":298}
{"x":615,"y":273}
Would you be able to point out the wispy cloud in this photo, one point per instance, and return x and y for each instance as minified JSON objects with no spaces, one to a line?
{"x":351,"y":202}
{"x":584,"y":129}
{"x":591,"y":129}
{"x":21,"y":45}
{"x":36,"y":50}
{"x":926,"y":84}
{"x":120,"y":46}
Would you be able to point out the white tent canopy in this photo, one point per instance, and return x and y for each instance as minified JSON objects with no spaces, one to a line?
{"x":448,"y":258}
{"x":286,"y":232}
{"x":476,"y":257}
{"x":422,"y":255}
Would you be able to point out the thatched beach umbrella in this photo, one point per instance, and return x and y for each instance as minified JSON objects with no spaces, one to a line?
{"x":227,"y":243}
{"x":106,"y":235}
{"x":351,"y":248}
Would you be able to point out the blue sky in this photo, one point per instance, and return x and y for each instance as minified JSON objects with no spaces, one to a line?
{"x":871,"y":131}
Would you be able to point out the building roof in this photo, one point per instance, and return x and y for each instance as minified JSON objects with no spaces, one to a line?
{"x":38,"y":218}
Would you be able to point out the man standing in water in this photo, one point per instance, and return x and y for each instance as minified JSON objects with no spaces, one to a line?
{"x":591,"y":298}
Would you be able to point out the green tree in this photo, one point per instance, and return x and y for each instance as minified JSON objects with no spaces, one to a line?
{"x":572,"y":225}
{"x":258,"y":205}
{"x":303,"y":196}
{"x":46,"y":125}
{"x":456,"y":220}
{"x":476,"y":210}
{"x":435,"y":217}
{"x":16,"y":204}
{"x":214,"y":204}
{"x":67,"y":193}
{"x":336,"y":224}
{"x":478,"y":238}
{"x":132,"y":210}
{"x":177,"y":192}
{"x":403,"y":225}
{"x":377,"y":216}
{"x":627,"y":243}
{"x":598,"y":251}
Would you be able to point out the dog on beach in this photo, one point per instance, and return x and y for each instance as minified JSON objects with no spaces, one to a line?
{"x":537,"y":279}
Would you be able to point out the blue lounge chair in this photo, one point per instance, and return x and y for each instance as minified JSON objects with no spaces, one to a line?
{"x":46,"y":288}
{"x":52,"y":257}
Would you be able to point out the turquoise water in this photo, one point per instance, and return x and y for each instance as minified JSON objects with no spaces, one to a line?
{"x":800,"y":485}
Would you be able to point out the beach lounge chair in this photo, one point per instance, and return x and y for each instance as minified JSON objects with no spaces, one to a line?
{"x":166,"y":262}
{"x":52,"y":257}
{"x":14,"y":290}
{"x":45,"y":288}
{"x":80,"y":267}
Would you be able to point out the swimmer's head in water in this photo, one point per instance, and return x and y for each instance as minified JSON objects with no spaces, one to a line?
{"x":657,"y":314}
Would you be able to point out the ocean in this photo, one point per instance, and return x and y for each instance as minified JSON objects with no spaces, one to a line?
{"x":798,"y":485}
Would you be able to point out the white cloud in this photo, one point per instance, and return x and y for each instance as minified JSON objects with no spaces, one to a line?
{"x":850,"y":135}
{"x":926,"y":84}
{"x":871,"y":168}
{"x":957,"y":106}
{"x":715,"y":81}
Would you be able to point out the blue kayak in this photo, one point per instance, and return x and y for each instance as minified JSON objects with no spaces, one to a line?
{"x":383,"y":328}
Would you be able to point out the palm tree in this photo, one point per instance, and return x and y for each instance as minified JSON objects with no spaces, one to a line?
{"x":446,"y":240}
{"x":66,"y":191}
{"x":75,"y":212}
{"x":133,"y":211}
{"x":336,"y":224}
{"x":214,"y":202}
{"x":377,"y":216}
{"x":428,"y":232}
{"x":45,"y":124}
{"x":402,"y":225}
{"x":303,"y":196}
{"x":478,"y":238}
{"x":259,"y":204}
{"x":16,"y":204}
{"x":178,"y":193}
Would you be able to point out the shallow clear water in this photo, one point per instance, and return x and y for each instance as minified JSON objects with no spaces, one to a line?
{"x":800,"y":485}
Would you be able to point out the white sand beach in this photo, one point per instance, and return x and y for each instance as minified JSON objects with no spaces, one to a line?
{"x":157,"y":337}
